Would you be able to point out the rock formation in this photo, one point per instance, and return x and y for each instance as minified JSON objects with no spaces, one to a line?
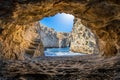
{"x":101,"y":16}
{"x":52,"y":39}
{"x":63,"y":39}
{"x":83,"y":40}
{"x":21,"y":42}
{"x":48,"y":37}
{"x":62,"y":68}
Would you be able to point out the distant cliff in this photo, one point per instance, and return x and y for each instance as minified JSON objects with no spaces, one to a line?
{"x":51,"y":38}
{"x":63,"y":39}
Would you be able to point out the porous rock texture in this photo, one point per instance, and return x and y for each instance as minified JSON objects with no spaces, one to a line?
{"x":87,"y":67}
{"x":82,"y":39}
{"x":101,"y":16}
{"x":20,"y":42}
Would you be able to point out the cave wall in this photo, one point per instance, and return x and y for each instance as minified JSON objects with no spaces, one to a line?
{"x":82,"y":39}
{"x":16,"y":42}
{"x":101,"y":16}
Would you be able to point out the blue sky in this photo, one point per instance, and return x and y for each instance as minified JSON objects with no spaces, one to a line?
{"x":61,"y":22}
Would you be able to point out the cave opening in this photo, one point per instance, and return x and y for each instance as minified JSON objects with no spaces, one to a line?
{"x":64,"y":35}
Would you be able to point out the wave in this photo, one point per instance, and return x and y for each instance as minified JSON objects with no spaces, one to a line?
{"x":60,"y":52}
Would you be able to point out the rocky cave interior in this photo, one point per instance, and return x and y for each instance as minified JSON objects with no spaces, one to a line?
{"x":18,"y":18}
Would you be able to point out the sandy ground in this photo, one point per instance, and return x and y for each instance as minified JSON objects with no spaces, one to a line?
{"x":87,"y":67}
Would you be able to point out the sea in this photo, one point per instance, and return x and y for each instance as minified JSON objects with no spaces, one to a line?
{"x":60,"y":52}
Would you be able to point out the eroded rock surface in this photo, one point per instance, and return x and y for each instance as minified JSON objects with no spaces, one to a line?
{"x":101,"y":16}
{"x":20,"y":42}
{"x":90,"y":67}
{"x":82,"y":39}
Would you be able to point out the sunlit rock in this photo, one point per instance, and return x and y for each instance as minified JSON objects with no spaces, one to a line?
{"x":82,"y":39}
{"x":21,"y":42}
{"x":101,"y":16}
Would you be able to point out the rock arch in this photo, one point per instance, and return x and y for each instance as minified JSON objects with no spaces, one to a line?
{"x":101,"y":16}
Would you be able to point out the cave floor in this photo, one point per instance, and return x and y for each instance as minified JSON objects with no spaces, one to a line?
{"x":87,"y":67}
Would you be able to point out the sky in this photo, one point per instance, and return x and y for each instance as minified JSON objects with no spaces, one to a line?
{"x":61,"y":22}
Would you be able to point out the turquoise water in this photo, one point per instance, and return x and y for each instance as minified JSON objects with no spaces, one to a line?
{"x":60,"y":52}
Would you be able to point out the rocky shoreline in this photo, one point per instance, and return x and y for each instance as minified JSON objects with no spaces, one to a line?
{"x":89,"y":67}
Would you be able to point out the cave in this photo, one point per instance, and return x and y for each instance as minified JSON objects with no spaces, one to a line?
{"x":93,"y":14}
{"x":17,"y":18}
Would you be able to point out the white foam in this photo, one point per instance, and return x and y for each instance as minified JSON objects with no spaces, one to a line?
{"x":48,"y":53}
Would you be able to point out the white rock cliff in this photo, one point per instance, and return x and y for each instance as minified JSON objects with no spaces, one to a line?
{"x":82,"y":39}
